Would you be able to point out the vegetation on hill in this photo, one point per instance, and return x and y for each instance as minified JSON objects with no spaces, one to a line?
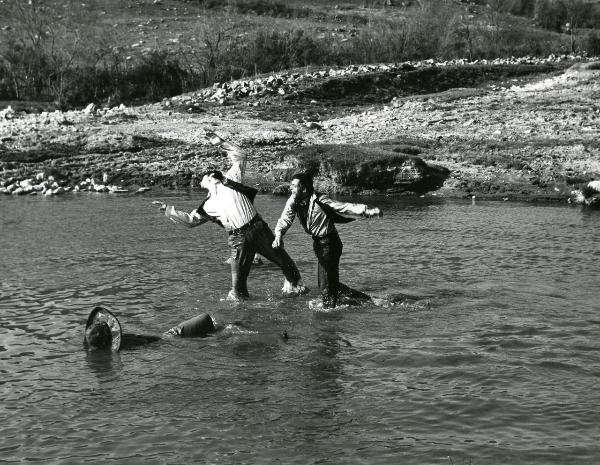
{"x":72,"y":53}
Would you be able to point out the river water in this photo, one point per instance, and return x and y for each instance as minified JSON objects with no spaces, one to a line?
{"x":496,"y":361}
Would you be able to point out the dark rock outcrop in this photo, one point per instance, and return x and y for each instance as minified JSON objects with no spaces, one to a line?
{"x":348,"y":168}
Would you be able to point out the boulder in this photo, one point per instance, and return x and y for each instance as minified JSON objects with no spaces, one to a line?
{"x":587,"y":196}
{"x":351,"y":168}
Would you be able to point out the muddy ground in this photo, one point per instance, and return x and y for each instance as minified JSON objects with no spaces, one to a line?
{"x":506,"y":130}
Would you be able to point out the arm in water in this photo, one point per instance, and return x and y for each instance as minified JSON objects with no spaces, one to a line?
{"x":190,"y":220}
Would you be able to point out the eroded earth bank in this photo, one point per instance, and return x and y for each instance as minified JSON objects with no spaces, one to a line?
{"x":509,"y":129}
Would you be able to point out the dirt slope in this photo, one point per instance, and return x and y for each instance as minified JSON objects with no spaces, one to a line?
{"x":533,"y":137}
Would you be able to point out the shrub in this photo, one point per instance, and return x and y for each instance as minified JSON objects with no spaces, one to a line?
{"x":550,"y":14}
{"x":591,"y":43}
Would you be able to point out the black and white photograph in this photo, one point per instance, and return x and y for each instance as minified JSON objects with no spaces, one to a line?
{"x":254,"y":232}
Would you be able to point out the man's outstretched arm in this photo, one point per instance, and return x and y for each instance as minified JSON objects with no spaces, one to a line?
{"x":359,"y":209}
{"x":191,"y":219}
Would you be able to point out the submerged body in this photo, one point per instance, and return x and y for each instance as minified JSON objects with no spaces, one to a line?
{"x":103,"y":331}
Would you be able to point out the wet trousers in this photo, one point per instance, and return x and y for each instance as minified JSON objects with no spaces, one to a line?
{"x":328,"y":250}
{"x":257,"y":238}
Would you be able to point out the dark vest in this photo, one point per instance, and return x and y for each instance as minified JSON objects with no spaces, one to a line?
{"x":329,"y":212}
{"x":249,"y":192}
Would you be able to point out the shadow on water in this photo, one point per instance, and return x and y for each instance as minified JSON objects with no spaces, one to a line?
{"x":105,"y":365}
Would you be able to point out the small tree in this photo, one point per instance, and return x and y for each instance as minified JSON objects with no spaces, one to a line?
{"x":575,"y":13}
{"x":592,"y":43}
{"x":550,"y":14}
{"x":23,"y":55}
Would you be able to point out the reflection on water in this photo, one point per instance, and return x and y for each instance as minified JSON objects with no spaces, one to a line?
{"x":494,"y":359}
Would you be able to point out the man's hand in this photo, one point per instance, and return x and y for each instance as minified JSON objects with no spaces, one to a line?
{"x":370,"y":212}
{"x":163,"y":206}
{"x":278,"y":242}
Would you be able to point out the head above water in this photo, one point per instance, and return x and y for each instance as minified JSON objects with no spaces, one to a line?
{"x":302,"y":185}
{"x":210,"y":178}
{"x":102,"y":330}
{"x":99,"y":336}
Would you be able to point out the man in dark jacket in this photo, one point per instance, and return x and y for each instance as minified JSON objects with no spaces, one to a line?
{"x":318,"y":214}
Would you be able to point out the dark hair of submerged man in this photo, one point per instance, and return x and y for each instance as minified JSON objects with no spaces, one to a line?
{"x":99,"y":335}
{"x":305,"y":180}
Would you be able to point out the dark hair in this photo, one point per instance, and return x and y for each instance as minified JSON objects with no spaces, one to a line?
{"x":305,"y":179}
{"x":99,"y":335}
{"x":214,"y":173}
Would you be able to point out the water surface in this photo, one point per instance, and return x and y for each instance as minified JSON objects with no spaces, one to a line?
{"x":498,"y":361}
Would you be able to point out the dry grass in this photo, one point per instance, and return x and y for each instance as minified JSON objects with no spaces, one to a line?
{"x":117,"y":51}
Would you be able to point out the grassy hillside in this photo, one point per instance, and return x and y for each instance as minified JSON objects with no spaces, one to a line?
{"x":125,"y":51}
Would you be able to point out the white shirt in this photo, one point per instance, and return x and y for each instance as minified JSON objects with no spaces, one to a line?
{"x":318,"y":224}
{"x":232,"y":208}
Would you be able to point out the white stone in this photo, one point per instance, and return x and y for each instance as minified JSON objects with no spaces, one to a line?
{"x":7,"y":113}
{"x":594,"y":185}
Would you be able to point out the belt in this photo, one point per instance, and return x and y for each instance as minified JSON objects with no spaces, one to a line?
{"x":244,"y":228}
{"x":329,"y":235}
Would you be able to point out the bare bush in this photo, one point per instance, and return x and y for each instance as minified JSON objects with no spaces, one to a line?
{"x":43,"y":57}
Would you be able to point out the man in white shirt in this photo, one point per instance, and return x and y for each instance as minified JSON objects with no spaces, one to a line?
{"x":231,"y":205}
{"x":318,"y":214}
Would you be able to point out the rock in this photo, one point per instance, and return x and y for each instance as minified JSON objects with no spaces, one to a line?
{"x":283,"y":190}
{"x":7,"y":113}
{"x":594,"y":185}
{"x":313,"y":125}
{"x":91,"y":108}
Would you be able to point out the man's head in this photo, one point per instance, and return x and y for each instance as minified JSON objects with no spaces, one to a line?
{"x":102,"y":330}
{"x":98,"y":335}
{"x":302,"y":185}
{"x":210,"y":178}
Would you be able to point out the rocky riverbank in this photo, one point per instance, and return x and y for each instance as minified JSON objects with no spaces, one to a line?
{"x":509,"y":129}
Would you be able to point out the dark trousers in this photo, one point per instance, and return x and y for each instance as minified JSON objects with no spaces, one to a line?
{"x":257,"y":238}
{"x":328,"y":250}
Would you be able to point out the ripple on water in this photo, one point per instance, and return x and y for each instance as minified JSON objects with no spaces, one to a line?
{"x":495,"y":361}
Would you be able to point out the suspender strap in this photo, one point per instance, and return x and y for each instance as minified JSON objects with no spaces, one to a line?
{"x":248,"y":191}
{"x":202,"y":212}
{"x":331,"y":213}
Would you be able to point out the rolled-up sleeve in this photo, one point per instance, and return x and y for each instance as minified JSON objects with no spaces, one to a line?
{"x":286,"y":219}
{"x":191,"y":219}
{"x":238,"y":159}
